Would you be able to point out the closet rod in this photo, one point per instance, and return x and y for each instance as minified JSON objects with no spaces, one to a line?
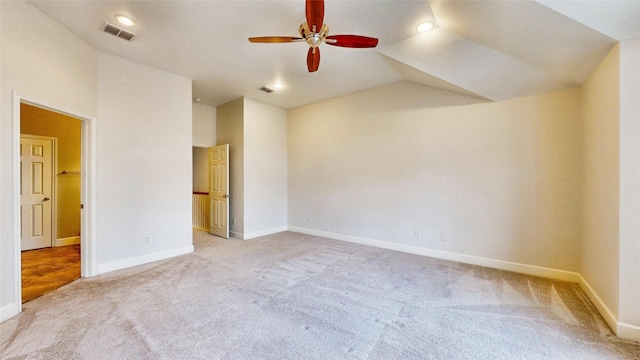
{"x":65,"y":172}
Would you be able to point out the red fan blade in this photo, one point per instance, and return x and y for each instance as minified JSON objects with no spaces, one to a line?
{"x":352,"y":41}
{"x":313,"y":59}
{"x":274,"y":39}
{"x":315,"y":14}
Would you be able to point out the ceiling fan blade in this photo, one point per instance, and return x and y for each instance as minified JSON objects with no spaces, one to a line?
{"x":274,"y":39}
{"x":351,"y":41}
{"x":315,"y":14}
{"x":313,"y":59}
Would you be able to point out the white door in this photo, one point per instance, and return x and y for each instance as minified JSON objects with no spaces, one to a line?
{"x":219,"y":190}
{"x":36,"y":192}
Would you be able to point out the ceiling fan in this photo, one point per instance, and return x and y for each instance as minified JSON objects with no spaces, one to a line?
{"x":315,"y":32}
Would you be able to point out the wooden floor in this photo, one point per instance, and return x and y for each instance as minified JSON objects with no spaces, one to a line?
{"x":47,"y":269}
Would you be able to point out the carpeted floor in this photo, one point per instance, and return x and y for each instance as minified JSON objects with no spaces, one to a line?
{"x":293,"y":296}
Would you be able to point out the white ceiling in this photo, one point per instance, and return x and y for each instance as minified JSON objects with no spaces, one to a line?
{"x":491,"y":49}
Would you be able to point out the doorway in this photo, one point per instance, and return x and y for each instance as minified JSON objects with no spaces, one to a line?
{"x":50,"y":164}
{"x":200,"y":197}
{"x":211,"y":196}
{"x":73,"y":189}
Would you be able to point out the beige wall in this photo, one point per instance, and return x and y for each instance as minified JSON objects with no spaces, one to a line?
{"x":500,"y":180}
{"x":230,"y":130}
{"x":265,"y":168}
{"x":204,"y":125}
{"x":134,"y":172}
{"x":143,"y":167}
{"x":200,"y":169}
{"x":629,"y":312}
{"x":36,"y":121}
{"x":599,"y":260}
{"x":256,"y":134}
{"x":610,"y":251}
{"x":204,"y":136}
{"x":43,"y":60}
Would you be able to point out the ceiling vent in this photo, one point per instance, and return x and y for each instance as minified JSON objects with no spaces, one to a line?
{"x":116,"y":31}
{"x":266,"y":89}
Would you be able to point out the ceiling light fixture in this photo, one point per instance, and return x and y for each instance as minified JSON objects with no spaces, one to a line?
{"x":125,"y":20}
{"x":425,"y":26}
{"x":278,"y":85}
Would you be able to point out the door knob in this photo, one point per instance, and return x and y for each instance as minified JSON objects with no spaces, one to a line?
{"x":46,"y":199}
{"x":226,"y":196}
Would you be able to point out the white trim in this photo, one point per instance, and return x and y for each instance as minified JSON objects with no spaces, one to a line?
{"x":10,"y":310}
{"x":88,"y":254}
{"x":445,"y":255}
{"x":255,"y":234}
{"x":72,"y":240}
{"x":144,"y":259}
{"x":628,"y":331}
{"x":87,"y":220}
{"x":602,"y":308}
{"x":15,"y":307}
{"x":17,"y":260}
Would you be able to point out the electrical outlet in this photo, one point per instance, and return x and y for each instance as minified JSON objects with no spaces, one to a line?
{"x":146,"y":240}
{"x":416,"y":233}
{"x":308,"y":219}
{"x":443,"y":237}
{"x":235,"y":222}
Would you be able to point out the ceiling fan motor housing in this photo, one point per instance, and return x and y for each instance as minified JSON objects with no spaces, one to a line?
{"x":314,"y":39}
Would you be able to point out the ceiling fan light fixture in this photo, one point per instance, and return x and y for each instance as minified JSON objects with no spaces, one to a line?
{"x":125,"y":20}
{"x":425,"y":26}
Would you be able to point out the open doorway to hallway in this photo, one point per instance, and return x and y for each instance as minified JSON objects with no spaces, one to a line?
{"x":50,"y":199}
{"x":200,"y":188}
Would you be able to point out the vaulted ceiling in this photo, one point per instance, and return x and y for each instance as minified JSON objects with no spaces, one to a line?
{"x":490,"y":49}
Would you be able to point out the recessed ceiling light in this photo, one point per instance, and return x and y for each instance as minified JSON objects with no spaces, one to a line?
{"x":425,"y":26}
{"x":125,"y":20}
{"x":278,"y":85}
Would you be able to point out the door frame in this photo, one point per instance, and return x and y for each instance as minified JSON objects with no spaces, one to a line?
{"x":87,"y":196}
{"x":54,"y":182}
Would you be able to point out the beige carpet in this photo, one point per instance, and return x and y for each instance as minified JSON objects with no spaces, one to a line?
{"x":292,"y":296}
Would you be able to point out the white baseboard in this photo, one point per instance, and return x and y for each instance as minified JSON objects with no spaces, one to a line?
{"x":628,"y":331}
{"x":73,"y":240}
{"x":603,"y":309}
{"x":145,"y":259}
{"x":622,"y":330}
{"x":445,"y":255}
{"x":9,"y":311}
{"x":255,"y":234}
